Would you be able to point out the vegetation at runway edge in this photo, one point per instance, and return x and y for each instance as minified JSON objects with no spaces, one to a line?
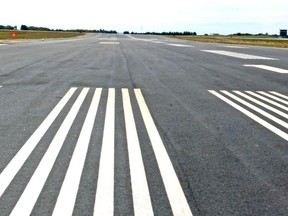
{"x":270,"y":41}
{"x":6,"y":35}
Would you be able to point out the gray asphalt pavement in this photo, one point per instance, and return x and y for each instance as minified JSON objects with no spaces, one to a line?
{"x":142,"y":125}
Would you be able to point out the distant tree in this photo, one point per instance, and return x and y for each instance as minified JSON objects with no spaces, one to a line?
{"x":9,"y":27}
{"x":24,"y":27}
{"x":126,"y":32}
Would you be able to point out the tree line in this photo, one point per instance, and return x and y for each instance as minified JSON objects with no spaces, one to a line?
{"x":8,"y":27}
{"x":34,"y":28}
{"x":185,"y":33}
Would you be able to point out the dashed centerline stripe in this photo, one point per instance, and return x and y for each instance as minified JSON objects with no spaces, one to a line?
{"x":29,"y":197}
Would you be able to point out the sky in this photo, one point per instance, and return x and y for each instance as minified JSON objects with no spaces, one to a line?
{"x":201,"y":16}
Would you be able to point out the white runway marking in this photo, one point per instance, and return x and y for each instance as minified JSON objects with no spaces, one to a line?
{"x":104,"y":201}
{"x":141,"y":196}
{"x":239,"y":103}
{"x":30,"y":195}
{"x":180,"y":45}
{"x":19,"y":159}
{"x":109,"y":43}
{"x":235,"y":47}
{"x":104,"y":194}
{"x":172,"y":185}
{"x":69,"y":189}
{"x":238,"y":55}
{"x":269,"y":68}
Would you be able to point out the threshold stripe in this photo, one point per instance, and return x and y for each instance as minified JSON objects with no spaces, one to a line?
{"x":278,"y":94}
{"x":30,"y":195}
{"x":172,"y":185}
{"x":141,"y":197}
{"x":251,"y":115}
{"x":66,"y":199}
{"x":262,"y":104}
{"x":273,"y":97}
{"x":19,"y":159}
{"x":273,"y":118}
{"x":104,"y":201}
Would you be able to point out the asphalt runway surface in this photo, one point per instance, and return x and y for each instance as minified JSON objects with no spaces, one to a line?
{"x":142,"y":125}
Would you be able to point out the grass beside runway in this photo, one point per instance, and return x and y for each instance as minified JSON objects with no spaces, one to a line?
{"x":240,"y":40}
{"x":8,"y":35}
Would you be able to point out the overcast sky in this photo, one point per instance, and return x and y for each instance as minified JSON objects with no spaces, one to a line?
{"x":201,"y":16}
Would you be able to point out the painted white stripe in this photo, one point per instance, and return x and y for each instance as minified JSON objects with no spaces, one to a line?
{"x":19,"y":159}
{"x":268,"y":100}
{"x":278,"y":94}
{"x":262,"y":104}
{"x":269,"y":68}
{"x":104,"y":201}
{"x":273,"y":118}
{"x":235,"y":47}
{"x":66,"y":199}
{"x":159,"y":42}
{"x":29,"y":197}
{"x":141,"y":196}
{"x":252,"y":116}
{"x":172,"y":185}
{"x":109,"y":43}
{"x":273,"y":97}
{"x":180,"y":45}
{"x":237,"y":55}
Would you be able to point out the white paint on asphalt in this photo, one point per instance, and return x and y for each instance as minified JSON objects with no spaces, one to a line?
{"x":268,"y":100}
{"x":172,"y":185}
{"x":262,"y":112}
{"x":66,"y":199}
{"x":141,"y":197}
{"x":180,"y":45}
{"x":158,"y":42}
{"x":273,"y":97}
{"x":109,"y":43}
{"x":269,"y":68}
{"x":104,"y":201}
{"x":30,"y":195}
{"x":104,"y":194}
{"x":262,"y":104}
{"x":238,"y":55}
{"x":235,"y":47}
{"x":19,"y":159}
{"x":278,"y":94}
{"x":252,"y":115}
